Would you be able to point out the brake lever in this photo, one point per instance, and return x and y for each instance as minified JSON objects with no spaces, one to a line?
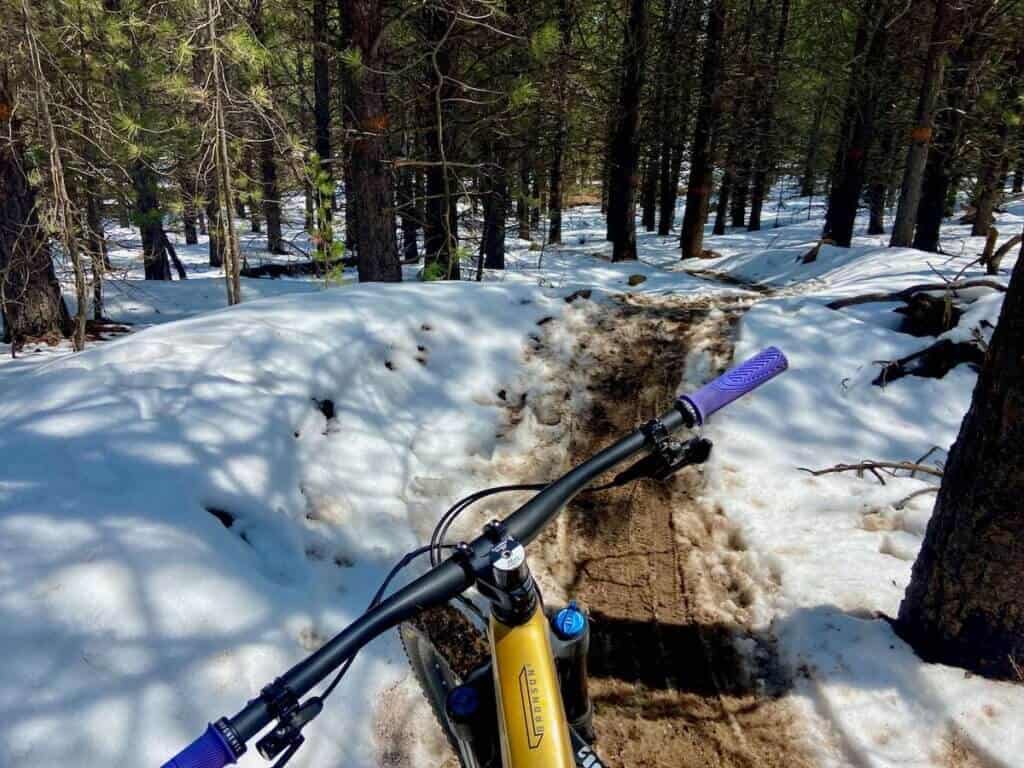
{"x":667,"y":458}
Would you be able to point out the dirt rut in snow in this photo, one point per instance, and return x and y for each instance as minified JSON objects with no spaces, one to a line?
{"x":662,"y":575}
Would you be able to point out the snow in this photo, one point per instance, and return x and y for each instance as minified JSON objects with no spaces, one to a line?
{"x":133,"y":616}
{"x":840,"y":547}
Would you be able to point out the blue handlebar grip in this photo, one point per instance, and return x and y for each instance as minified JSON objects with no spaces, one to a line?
{"x":210,"y":750}
{"x":735,"y":383}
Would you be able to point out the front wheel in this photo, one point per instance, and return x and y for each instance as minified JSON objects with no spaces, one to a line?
{"x":437,"y":678}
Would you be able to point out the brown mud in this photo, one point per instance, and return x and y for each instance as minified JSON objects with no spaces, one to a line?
{"x":661,"y":573}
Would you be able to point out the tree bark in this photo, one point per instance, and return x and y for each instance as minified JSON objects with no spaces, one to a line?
{"x":940,"y":176}
{"x":994,"y":164}
{"x":765,"y":125}
{"x":407,"y":211}
{"x":441,"y":227}
{"x":740,"y":193}
{"x":30,"y":296}
{"x":724,"y":195}
{"x":216,"y":242}
{"x":808,"y":181}
{"x":964,"y":605}
{"x":561,"y":145}
{"x":675,"y":87}
{"x":150,"y":219}
{"x":372,"y":181}
{"x":188,"y":220}
{"x":323,"y":188}
{"x":858,"y":123}
{"x":495,"y":210}
{"x":523,"y":198}
{"x":271,"y":202}
{"x":921,"y":136}
{"x":650,"y":194}
{"x":701,"y":167}
{"x":624,"y":150}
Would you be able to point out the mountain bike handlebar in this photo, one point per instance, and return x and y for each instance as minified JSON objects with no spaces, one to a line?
{"x":225,"y":740}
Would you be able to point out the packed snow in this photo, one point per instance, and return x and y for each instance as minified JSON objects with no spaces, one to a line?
{"x":331,"y":425}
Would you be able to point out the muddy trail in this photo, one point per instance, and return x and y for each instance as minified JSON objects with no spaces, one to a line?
{"x":660,"y":573}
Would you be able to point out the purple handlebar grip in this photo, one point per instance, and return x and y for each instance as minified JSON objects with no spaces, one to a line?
{"x":735,"y":383}
{"x":208,"y":751}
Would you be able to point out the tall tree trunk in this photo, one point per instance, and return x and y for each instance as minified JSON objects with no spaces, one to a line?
{"x":624,"y":150}
{"x":561,"y":146}
{"x":30,"y":297}
{"x":741,"y":191}
{"x":323,"y":187}
{"x":876,"y":208}
{"x":650,"y":194}
{"x":188,"y":219}
{"x":222,"y":161}
{"x":724,"y":196}
{"x":495,"y":210}
{"x":407,"y":211}
{"x":555,"y":201}
{"x":151,"y":222}
{"x":921,"y":136}
{"x":523,"y":198}
{"x":255,"y":209}
{"x":372,"y":181}
{"x":668,"y":188}
{"x":701,"y":166}
{"x":808,"y":181}
{"x":989,"y":191}
{"x":991,"y":182}
{"x":216,"y":241}
{"x":965,"y":605}
{"x":537,"y":195}
{"x":939,"y":172}
{"x":96,"y":242}
{"x":271,"y":195}
{"x":441,"y":232}
{"x":878,"y":185}
{"x":765,"y":125}
{"x":858,"y":122}
{"x":672,"y":95}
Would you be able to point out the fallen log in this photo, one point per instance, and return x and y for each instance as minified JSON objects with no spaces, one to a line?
{"x":313,"y":267}
{"x":926,"y":315}
{"x":932,"y":362}
{"x":906,"y":293}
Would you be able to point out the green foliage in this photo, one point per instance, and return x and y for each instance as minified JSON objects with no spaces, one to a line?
{"x":352,"y":60}
{"x":545,"y":41}
{"x":522,"y":94}
{"x":435,"y":270}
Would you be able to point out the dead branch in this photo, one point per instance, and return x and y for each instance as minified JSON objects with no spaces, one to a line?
{"x":992,"y":263}
{"x":919,"y":492}
{"x":877,"y":468}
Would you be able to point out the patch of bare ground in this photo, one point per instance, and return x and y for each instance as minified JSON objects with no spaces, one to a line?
{"x":960,"y":753}
{"x":662,"y":574}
